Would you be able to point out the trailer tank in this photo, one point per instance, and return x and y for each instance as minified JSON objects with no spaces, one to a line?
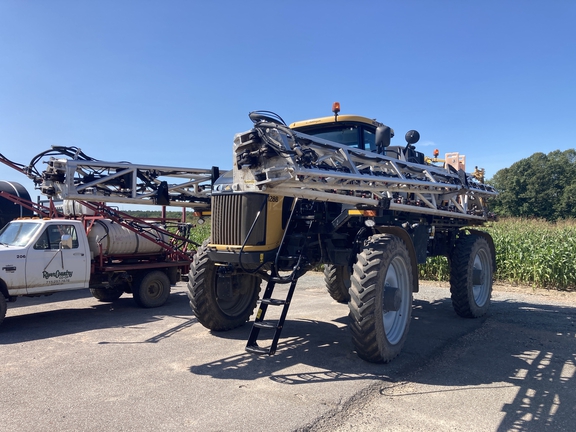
{"x":9,"y":210}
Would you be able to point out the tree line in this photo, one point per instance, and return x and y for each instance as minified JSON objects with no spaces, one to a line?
{"x":540,"y":186}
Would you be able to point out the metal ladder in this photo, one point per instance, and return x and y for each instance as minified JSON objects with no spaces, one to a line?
{"x":277,"y":325}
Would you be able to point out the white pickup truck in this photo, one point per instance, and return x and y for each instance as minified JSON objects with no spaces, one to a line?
{"x":44,"y":256}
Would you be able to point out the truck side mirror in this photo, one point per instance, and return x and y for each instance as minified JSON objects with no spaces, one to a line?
{"x":383,"y":136}
{"x":66,"y":241}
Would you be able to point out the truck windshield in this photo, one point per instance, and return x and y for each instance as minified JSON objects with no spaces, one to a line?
{"x":18,"y":233}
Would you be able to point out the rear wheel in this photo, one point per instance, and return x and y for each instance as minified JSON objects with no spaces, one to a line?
{"x":107,"y":294}
{"x":381,"y":298}
{"x":471,"y":271}
{"x":220,"y":302}
{"x":152,"y":289}
{"x":337,"y":280}
{"x":3,"y":307}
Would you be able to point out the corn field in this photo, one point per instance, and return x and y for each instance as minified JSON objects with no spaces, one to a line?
{"x":200,"y":232}
{"x":529,"y":252}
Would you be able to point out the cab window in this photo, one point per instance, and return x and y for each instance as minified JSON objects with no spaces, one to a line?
{"x":369,"y":140}
{"x":50,"y":238}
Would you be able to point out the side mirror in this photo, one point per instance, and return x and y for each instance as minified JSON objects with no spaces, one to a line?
{"x":383,"y":136}
{"x":66,"y":241}
{"x":412,"y":137}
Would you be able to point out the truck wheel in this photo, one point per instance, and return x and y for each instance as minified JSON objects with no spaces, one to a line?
{"x":471,"y":276}
{"x":337,"y":280}
{"x":107,"y":294}
{"x":217,"y":305}
{"x":3,"y":307}
{"x":381,"y":298}
{"x":152,"y":289}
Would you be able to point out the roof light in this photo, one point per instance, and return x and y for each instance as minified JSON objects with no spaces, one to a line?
{"x":336,"y":107}
{"x":336,"y":110}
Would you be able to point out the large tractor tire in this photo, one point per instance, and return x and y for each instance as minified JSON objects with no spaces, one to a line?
{"x":471,"y":271}
{"x":220,"y":303}
{"x":152,"y":289}
{"x":381,"y":298}
{"x":3,"y":307}
{"x":107,"y":294}
{"x":337,"y":280}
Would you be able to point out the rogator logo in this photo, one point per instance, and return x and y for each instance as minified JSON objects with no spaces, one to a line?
{"x":66,"y":274}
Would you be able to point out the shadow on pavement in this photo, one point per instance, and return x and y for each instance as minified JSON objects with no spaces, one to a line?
{"x":527,"y":346}
{"x":520,"y":345}
{"x":122,"y":313}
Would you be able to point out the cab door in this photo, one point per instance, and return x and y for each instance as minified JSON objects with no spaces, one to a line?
{"x":50,"y":266}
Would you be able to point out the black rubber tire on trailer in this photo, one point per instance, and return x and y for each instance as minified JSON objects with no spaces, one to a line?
{"x":107,"y":294}
{"x":214,"y":312}
{"x":3,"y":307}
{"x":337,"y":280}
{"x":471,"y":270}
{"x":377,"y":333}
{"x":152,"y":289}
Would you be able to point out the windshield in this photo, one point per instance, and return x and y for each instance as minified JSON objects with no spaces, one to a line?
{"x":347,"y":133}
{"x":342,"y":135}
{"x":18,"y":233}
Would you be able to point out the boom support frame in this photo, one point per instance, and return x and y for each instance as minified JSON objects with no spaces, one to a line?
{"x":273,"y":159}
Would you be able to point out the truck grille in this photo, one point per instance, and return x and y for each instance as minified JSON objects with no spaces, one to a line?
{"x":233,"y":216}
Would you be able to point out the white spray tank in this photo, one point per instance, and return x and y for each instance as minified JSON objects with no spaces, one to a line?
{"x":118,"y":240}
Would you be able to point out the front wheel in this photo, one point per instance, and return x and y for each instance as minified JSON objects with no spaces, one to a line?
{"x":152,"y":289}
{"x":471,"y":271}
{"x":220,"y":301}
{"x":3,"y":307}
{"x":381,"y":298}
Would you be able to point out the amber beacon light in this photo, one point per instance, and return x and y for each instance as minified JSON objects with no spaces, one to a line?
{"x":336,"y":110}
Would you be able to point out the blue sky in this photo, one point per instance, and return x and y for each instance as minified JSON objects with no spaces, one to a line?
{"x":170,"y":82}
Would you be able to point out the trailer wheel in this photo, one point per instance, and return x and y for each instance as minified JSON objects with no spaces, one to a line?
{"x":3,"y":307}
{"x":220,"y":305}
{"x":337,"y":280}
{"x":471,"y":273}
{"x":381,"y":298}
{"x":152,"y":289}
{"x":107,"y":294}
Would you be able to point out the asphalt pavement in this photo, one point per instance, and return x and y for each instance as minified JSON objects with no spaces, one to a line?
{"x":71,"y":363}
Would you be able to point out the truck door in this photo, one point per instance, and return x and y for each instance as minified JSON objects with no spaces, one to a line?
{"x":51,"y":267}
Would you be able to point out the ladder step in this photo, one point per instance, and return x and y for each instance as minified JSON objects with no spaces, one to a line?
{"x":280,"y":280}
{"x":273,"y":302}
{"x":265,"y":324}
{"x":255,"y":349}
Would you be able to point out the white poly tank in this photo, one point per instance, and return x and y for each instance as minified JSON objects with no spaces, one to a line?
{"x":117,"y":240}
{"x":74,"y":208}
